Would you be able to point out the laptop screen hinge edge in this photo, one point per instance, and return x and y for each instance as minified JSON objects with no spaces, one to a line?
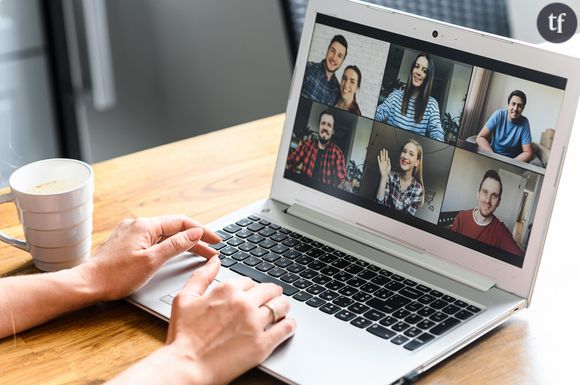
{"x":390,"y":245}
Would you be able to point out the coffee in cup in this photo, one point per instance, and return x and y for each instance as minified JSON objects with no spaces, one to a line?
{"x":54,"y":199}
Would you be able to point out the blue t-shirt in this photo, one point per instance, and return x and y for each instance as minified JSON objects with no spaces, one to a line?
{"x":507,"y":136}
{"x":390,"y":112}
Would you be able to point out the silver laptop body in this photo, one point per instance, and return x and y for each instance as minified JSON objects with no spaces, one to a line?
{"x":423,"y":246}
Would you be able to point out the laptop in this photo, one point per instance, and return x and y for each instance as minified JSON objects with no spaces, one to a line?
{"x":411,"y":198}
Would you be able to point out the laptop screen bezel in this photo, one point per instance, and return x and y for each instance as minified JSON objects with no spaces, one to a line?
{"x":508,"y":277}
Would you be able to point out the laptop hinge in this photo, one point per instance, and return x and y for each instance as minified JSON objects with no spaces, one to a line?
{"x":393,"y":246}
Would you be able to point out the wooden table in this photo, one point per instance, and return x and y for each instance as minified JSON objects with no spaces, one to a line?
{"x":210,"y":175}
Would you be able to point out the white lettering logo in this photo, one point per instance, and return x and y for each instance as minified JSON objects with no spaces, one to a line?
{"x":559,"y":20}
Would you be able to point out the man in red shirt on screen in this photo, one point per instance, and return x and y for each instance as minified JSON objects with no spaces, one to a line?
{"x":480,"y":223}
{"x":320,"y":159}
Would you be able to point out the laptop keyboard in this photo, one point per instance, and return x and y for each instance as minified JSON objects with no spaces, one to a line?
{"x":385,"y":304}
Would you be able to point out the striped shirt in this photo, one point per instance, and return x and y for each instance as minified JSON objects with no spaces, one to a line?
{"x":332,"y":166}
{"x":317,"y":87}
{"x":390,"y":112}
{"x":408,"y":200}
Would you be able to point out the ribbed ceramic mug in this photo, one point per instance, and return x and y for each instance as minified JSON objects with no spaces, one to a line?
{"x":54,"y":199}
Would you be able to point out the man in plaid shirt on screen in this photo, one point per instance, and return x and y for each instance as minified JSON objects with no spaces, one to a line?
{"x":320,"y":82}
{"x":320,"y":159}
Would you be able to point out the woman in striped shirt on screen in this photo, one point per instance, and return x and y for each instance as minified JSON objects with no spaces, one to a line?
{"x":413,"y":109}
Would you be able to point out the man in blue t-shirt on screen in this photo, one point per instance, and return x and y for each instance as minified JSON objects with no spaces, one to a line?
{"x":508,"y":130}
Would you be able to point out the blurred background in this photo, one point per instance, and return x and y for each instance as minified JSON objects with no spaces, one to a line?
{"x":96,"y":79}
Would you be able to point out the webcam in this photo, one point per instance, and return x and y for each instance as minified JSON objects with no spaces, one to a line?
{"x":435,"y":33}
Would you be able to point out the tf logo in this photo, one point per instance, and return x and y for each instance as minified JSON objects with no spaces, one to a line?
{"x":557,"y":22}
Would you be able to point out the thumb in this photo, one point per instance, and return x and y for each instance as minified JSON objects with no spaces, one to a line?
{"x":177,"y":243}
{"x":202,"y":277}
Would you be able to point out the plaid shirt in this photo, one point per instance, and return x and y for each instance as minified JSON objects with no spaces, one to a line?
{"x":407,"y":200}
{"x":316,"y":87}
{"x":332,"y":164}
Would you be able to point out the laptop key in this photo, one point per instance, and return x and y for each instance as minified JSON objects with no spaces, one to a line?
{"x":228,"y":251}
{"x":235,"y":241}
{"x":390,"y":304}
{"x":448,"y":298}
{"x":291,"y":254}
{"x":283,"y":262}
{"x":264,"y":266}
{"x":367,"y":274}
{"x":438,"y":304}
{"x":399,"y":340}
{"x":438,"y":317}
{"x":315,"y":253}
{"x":270,"y":257}
{"x":225,"y":236}
{"x":302,"y":296}
{"x":348,"y":291}
{"x":278,"y":237}
{"x":414,"y":306}
{"x":401,"y":313}
{"x":473,"y":309}
{"x":410,"y":292}
{"x":426,"y":299}
{"x":278,"y":249}
{"x":258,"y":252}
{"x":419,"y":341}
{"x":227,"y":262}
{"x":369,"y":288}
{"x":381,"y":331}
{"x":244,"y":233}
{"x":308,"y":274}
{"x":426,"y":311}
{"x":277,"y":272}
{"x":380,"y":280}
{"x":304,"y":260}
{"x":463,"y":314}
{"x":394,"y":285}
{"x":329,"y":308}
{"x":358,"y":308}
{"x":374,"y":315}
{"x":255,"y":227}
{"x":329,"y":270}
{"x":244,"y":222}
{"x":460,"y":303}
{"x":290,"y":242}
{"x":247,"y":246}
{"x":340,"y":263}
{"x":444,"y":326}
{"x":343,"y":301}
{"x":321,"y":279}
{"x":360,"y":322}
{"x":342,"y":276}
{"x":295,"y":268}
{"x":302,"y":247}
{"x":361,"y":297}
{"x":289,"y":277}
{"x":383,"y":293}
{"x":267,"y":244}
{"x":275,"y":227}
{"x":425,"y":324}
{"x":267,"y":233}
{"x":388,"y":321}
{"x":254,"y":218}
{"x":413,"y":332}
{"x":316,"y":289}
{"x":240,"y":256}
{"x":302,"y":283}
{"x":264,"y":222}
{"x":345,"y":315}
{"x":353,"y":269}
{"x":450,"y":309}
{"x":329,"y":295}
{"x":252,"y":261}
{"x":315,"y":302}
{"x":422,"y":288}
{"x":232,"y":228}
{"x":218,"y":246}
{"x":258,"y":276}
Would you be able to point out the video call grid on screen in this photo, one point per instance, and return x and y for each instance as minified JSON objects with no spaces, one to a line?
{"x":465,"y":91}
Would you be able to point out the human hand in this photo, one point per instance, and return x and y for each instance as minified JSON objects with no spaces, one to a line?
{"x":384,"y":163}
{"x":221,"y":334}
{"x":136,"y":250}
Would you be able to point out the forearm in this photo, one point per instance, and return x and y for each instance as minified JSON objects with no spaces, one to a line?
{"x":167,"y":365}
{"x":525,"y":156}
{"x":382,"y":187}
{"x":483,"y":144}
{"x":27,"y":301}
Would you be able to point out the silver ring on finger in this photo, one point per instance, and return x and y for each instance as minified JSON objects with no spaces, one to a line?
{"x":273,"y":310}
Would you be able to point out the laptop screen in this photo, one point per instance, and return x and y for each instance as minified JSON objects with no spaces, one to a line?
{"x":448,"y":142}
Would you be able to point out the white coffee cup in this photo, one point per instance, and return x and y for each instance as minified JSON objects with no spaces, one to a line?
{"x":54,"y":198}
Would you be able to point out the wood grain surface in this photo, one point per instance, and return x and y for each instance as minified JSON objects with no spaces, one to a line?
{"x":206,"y":177}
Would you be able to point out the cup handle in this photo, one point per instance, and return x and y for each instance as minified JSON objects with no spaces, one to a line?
{"x":22,"y":245}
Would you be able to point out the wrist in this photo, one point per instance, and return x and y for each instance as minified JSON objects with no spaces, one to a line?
{"x":184,"y":364}
{"x":89,"y":283}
